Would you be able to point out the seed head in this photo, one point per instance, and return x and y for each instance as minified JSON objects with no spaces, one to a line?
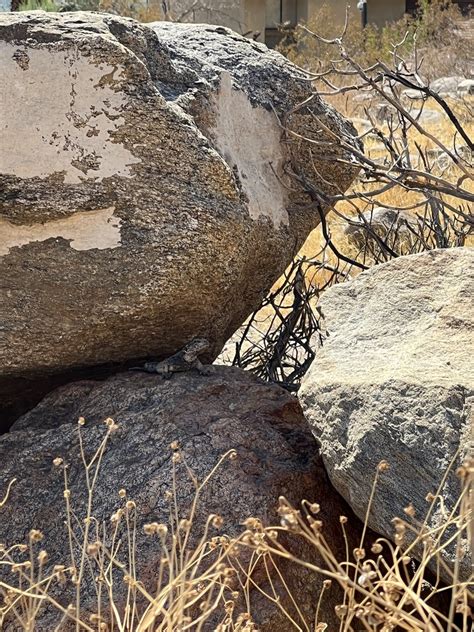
{"x":111,"y":425}
{"x":252,"y":523}
{"x":57,"y":462}
{"x":35,"y":535}
{"x":162,"y":531}
{"x":366,"y":578}
{"x":42,"y":557}
{"x":155,"y":528}
{"x":359,"y":553}
{"x":383,"y":466}
{"x":93,"y":549}
{"x":217,"y":522}
{"x":316,"y":526}
{"x":115,"y":517}
{"x":410,"y":510}
{"x":340,"y":610}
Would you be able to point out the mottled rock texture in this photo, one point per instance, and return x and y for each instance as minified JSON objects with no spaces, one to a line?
{"x":393,"y":226}
{"x":147,"y":187}
{"x":277,"y":455}
{"x":394,"y":381}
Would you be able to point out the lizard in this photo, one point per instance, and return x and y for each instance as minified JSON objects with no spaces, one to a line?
{"x":184,"y":360}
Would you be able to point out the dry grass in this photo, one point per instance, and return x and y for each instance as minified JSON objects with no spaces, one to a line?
{"x":383,"y":591}
{"x":437,"y":29}
{"x":397,"y":197}
{"x":195,"y":584}
{"x":141,"y":11}
{"x":192,"y":581}
{"x":423,"y":42}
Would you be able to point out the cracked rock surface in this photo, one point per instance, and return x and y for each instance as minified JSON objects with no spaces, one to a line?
{"x":276,"y":455}
{"x":148,"y":191}
{"x":394,"y":381}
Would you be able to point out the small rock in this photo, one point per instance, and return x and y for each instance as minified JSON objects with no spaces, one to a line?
{"x":466,"y":87}
{"x":362,"y":125}
{"x":446,"y":86}
{"x":386,"y":223}
{"x":430,"y":116}
{"x":413,"y":95}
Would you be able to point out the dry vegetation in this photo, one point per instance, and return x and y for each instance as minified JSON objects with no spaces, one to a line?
{"x":420,"y":168}
{"x":203,"y":580}
{"x":415,"y":189}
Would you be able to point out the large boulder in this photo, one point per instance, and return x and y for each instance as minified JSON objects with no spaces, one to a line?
{"x":148,"y":191}
{"x":230,"y":409}
{"x":394,"y":381}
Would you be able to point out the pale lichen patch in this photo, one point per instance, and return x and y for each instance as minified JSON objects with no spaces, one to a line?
{"x":248,"y":138}
{"x":84,"y":230}
{"x":56,"y":126}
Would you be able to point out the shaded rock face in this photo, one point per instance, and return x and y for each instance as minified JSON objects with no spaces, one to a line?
{"x":394,"y":381}
{"x":145,"y":189}
{"x":277,"y":455}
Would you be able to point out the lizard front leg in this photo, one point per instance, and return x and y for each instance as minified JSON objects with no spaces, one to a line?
{"x":204,"y":369}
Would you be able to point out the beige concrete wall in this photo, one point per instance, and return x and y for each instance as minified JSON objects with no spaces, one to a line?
{"x":254,"y":17}
{"x":382,"y":11}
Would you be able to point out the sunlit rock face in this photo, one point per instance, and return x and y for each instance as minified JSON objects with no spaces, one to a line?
{"x":393,"y":381}
{"x":148,"y":190}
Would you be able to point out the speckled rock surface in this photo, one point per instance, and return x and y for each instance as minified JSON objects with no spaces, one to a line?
{"x":395,"y":226}
{"x":230,"y":409}
{"x":394,"y":381}
{"x":146,"y":195}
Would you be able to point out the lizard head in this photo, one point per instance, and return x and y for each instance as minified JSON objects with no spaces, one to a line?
{"x":196,"y":347}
